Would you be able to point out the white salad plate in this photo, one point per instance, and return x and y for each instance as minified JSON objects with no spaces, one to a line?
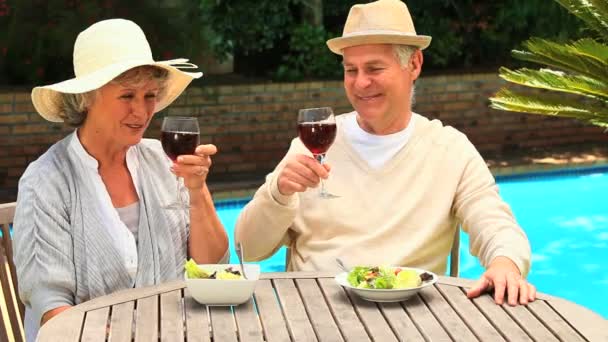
{"x":386,"y":295}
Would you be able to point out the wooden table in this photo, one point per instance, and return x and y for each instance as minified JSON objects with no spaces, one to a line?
{"x":312,"y":307}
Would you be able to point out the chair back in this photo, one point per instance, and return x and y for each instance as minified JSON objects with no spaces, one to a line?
{"x":455,"y":254}
{"x":11,"y":308}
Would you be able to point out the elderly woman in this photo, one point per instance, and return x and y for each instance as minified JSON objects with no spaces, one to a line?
{"x":90,"y":217}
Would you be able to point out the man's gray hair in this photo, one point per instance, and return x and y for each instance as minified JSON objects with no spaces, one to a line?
{"x":74,"y":107}
{"x":404,"y":53}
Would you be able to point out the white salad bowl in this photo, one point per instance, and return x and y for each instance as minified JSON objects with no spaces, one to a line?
{"x":223,"y":291}
{"x":386,"y":295}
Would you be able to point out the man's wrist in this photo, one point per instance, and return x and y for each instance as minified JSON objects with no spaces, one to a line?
{"x":502,"y":260}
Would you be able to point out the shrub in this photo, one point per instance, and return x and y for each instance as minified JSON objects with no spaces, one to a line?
{"x":37,"y":36}
{"x":307,"y":55}
{"x":267,"y":38}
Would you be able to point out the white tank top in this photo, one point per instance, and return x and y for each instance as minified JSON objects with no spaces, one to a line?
{"x":129,"y":215}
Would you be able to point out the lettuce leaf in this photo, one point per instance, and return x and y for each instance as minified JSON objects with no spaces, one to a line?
{"x":385,"y":279}
{"x":193,"y":271}
{"x":357,"y":275}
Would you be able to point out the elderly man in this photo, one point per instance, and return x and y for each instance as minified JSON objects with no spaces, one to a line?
{"x":406,"y":183}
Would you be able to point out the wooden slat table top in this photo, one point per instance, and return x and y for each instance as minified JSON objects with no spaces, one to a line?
{"x":311,"y":306}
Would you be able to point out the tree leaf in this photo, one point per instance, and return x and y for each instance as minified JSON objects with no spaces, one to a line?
{"x":552,"y":105}
{"x":593,"y":12}
{"x":557,"y":81}
{"x":585,"y":56}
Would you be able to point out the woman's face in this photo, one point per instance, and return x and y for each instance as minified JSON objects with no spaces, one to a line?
{"x":121,"y":113}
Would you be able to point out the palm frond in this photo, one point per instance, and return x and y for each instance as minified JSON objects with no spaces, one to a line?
{"x":590,"y":48}
{"x":557,"y":81}
{"x":505,"y":99}
{"x":593,"y":12}
{"x":585,"y":56}
{"x":601,"y":7}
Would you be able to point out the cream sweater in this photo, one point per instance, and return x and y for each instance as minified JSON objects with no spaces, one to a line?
{"x":404,"y":213}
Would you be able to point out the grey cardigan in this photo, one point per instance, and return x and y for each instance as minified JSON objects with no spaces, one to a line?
{"x":63,"y":253}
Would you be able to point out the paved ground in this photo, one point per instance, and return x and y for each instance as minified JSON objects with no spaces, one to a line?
{"x":580,"y":155}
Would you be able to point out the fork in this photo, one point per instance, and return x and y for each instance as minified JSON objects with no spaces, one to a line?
{"x":239,"y":253}
{"x":341,"y":264}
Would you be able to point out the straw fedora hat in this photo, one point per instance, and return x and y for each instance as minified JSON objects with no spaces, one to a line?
{"x":102,"y":52}
{"x":378,"y":22}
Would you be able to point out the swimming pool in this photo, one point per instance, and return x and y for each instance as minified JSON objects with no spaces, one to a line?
{"x":565,"y":217}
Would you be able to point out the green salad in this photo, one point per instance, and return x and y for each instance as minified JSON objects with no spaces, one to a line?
{"x":195,"y":272}
{"x":383,"y":277}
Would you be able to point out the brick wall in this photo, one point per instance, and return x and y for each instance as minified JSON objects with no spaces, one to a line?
{"x":252,"y":125}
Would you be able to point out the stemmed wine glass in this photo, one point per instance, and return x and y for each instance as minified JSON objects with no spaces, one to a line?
{"x":317,"y":131}
{"x":179,"y":135}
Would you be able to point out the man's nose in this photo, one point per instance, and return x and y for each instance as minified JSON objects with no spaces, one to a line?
{"x":362,"y":80}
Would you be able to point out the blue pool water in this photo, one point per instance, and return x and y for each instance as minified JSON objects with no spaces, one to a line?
{"x":565,"y":216}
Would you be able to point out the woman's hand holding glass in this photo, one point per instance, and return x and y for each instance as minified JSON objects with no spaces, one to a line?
{"x":194,"y":168}
{"x":180,"y":138}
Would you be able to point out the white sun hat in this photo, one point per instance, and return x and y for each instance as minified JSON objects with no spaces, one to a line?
{"x":378,"y":22}
{"x":101,"y":53}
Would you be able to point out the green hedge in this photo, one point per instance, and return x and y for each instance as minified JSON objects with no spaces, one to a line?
{"x":37,"y":36}
{"x":267,"y":38}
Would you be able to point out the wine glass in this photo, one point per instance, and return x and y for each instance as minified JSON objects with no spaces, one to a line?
{"x":179,"y":135}
{"x":317,"y":131}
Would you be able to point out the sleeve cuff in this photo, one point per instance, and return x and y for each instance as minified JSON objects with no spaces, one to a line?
{"x":523,"y":264}
{"x":45,"y":299}
{"x":278,"y":197}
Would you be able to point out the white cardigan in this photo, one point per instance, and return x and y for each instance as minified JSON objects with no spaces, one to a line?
{"x":69,"y":243}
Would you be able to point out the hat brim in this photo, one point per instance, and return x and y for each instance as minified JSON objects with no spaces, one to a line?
{"x":47,"y":99}
{"x":336,"y":45}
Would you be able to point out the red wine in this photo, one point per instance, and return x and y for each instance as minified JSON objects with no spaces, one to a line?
{"x":178,"y":143}
{"x":317,"y":136}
